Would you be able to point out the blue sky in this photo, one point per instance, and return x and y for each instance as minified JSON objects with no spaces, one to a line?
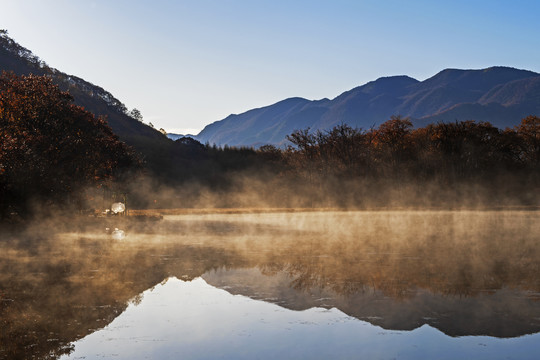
{"x":186,"y":64}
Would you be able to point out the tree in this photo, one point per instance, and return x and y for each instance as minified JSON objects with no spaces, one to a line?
{"x":49,"y":148}
{"x":529,"y":132}
{"x":308,"y":152}
{"x":392,"y":141}
{"x":136,"y":114}
{"x":349,"y":147}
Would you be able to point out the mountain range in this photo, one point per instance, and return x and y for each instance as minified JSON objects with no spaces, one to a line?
{"x":499,"y":95}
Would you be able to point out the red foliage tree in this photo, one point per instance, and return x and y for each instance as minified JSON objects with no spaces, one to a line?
{"x":50,"y":148}
{"x":529,"y":131}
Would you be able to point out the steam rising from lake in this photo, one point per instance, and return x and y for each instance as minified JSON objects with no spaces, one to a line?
{"x":462,"y":272}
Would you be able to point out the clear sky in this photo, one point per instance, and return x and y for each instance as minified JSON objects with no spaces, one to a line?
{"x":185,"y":64}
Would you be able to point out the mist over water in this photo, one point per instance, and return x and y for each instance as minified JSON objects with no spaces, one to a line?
{"x":464,"y":273}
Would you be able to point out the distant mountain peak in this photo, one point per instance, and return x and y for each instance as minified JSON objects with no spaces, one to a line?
{"x":395,"y":78}
{"x":387,"y":83}
{"x":483,"y":78}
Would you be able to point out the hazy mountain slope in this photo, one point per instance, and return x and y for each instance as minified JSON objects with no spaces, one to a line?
{"x":365,"y":105}
{"x":21,"y":61}
{"x":246,"y":127}
{"x":523,"y":91}
{"x":157,"y":151}
{"x":501,"y":95}
{"x":503,"y":105}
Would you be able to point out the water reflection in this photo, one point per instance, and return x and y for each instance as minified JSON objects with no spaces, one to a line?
{"x":118,"y":234}
{"x":464,"y":273}
{"x":212,"y":323}
{"x":502,"y":313}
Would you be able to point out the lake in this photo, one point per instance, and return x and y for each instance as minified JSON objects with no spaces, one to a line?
{"x":279,"y":284}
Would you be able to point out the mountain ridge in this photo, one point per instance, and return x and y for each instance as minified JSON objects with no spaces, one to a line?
{"x":158,"y":153}
{"x":501,"y":95}
{"x":21,"y":61}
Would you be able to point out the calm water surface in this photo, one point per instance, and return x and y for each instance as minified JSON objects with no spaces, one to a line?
{"x":377,"y":285}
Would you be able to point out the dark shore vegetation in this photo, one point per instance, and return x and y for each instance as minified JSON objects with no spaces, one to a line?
{"x":54,"y":154}
{"x":50,"y":149}
{"x":447,"y":165}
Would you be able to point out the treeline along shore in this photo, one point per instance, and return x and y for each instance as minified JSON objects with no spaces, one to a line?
{"x":54,"y":154}
{"x":446,"y":165}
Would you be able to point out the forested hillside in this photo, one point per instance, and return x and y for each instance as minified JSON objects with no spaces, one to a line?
{"x":147,"y":141}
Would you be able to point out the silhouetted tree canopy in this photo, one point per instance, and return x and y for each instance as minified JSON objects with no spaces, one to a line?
{"x":136,"y":114}
{"x":446,"y":156}
{"x":50,"y":148}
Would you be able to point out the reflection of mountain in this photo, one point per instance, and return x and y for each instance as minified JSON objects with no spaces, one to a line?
{"x":395,"y":269}
{"x":194,"y":320}
{"x":504,"y":313}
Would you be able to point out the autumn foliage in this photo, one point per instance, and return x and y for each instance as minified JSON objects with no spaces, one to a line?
{"x":50,"y":148}
{"x":396,"y":158}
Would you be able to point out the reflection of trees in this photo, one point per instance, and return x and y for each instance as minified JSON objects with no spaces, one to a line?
{"x":70,"y":287}
{"x":446,"y":271}
{"x":446,"y":254}
{"x":58,"y":290}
